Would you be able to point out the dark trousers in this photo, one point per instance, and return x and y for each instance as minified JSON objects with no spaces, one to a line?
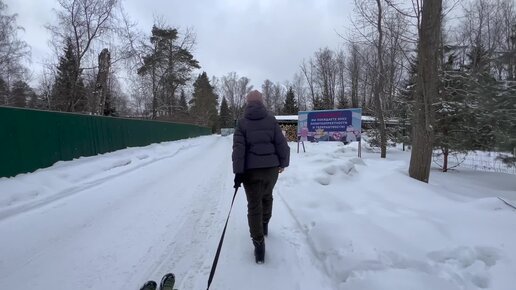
{"x":258,"y":184}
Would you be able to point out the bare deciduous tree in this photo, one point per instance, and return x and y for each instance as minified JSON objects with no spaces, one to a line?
{"x":341,"y":94}
{"x":267,"y":94}
{"x":244,"y":87}
{"x":230,"y":90}
{"x":278,"y":92}
{"x":396,"y":48}
{"x":370,"y":25}
{"x":82,"y":23}
{"x":308,"y":72}
{"x":235,"y":89}
{"x":326,"y":76}
{"x":298,"y":85}
{"x":379,"y":87}
{"x":353,"y":68}
{"x":13,"y":51}
{"x":491,"y":25}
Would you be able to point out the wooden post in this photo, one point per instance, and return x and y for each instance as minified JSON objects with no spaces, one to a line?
{"x":302,"y":143}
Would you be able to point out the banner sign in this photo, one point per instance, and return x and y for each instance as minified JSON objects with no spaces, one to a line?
{"x":330,"y":125}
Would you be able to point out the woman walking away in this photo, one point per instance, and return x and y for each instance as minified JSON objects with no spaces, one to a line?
{"x":260,"y":153}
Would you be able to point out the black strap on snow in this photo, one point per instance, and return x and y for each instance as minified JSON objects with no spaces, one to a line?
{"x":216,"y":259}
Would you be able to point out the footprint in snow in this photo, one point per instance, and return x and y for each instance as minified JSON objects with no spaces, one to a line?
{"x":119,"y":163}
{"x":323,"y":180}
{"x":357,"y":161}
{"x":348,"y":168}
{"x":331,"y":170}
{"x":471,"y":263}
{"x":142,"y":157}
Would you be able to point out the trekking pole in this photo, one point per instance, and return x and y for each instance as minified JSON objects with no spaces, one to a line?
{"x":216,"y":259}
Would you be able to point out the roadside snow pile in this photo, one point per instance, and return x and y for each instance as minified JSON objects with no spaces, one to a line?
{"x":373,"y":227}
{"x":65,"y":178}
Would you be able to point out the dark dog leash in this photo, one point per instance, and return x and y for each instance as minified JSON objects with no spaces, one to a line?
{"x":216,"y":259}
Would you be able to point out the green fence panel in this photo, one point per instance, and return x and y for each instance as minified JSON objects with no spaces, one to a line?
{"x":32,"y":139}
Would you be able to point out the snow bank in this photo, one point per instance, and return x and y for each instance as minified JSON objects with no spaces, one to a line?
{"x":65,"y":178}
{"x":373,"y":227}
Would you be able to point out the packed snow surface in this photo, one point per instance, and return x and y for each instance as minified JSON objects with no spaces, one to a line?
{"x":115,"y":220}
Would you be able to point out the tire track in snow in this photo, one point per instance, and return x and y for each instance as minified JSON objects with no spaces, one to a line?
{"x":189,"y":240}
{"x":311,"y":245}
{"x":197,"y":233}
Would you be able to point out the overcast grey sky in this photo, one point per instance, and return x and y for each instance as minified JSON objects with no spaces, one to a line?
{"x":255,"y":38}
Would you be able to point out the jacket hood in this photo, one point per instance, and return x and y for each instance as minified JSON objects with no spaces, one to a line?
{"x":255,"y":111}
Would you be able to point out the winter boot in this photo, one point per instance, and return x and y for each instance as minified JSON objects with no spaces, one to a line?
{"x":167,"y":282}
{"x":259,"y":251}
{"x":265,"y":229}
{"x":149,"y":285}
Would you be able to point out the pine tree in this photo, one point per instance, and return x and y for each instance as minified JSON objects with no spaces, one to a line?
{"x":183,"y":106}
{"x":35,"y":101}
{"x":204,"y":103}
{"x":403,"y":109}
{"x":484,"y":91}
{"x":290,"y":106}
{"x":169,"y":65}
{"x":499,"y":108}
{"x":13,"y":50}
{"x":21,"y":94}
{"x":451,"y":112}
{"x":68,"y":91}
{"x":181,"y":112}
{"x":463,"y":117}
{"x":505,"y":111}
{"x":225,"y":119}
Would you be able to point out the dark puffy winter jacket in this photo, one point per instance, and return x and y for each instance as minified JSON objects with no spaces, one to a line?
{"x":258,"y":141}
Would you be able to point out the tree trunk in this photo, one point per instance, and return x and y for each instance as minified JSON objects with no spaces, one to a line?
{"x":74,"y":92}
{"x":154,"y":94}
{"x":101,"y":85}
{"x":512,"y":58}
{"x":446,"y":152}
{"x":170,"y":100}
{"x":379,"y":88}
{"x":355,"y":71}
{"x":426,"y":91}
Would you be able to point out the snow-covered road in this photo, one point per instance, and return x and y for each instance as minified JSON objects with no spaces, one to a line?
{"x":131,"y":216}
{"x":116,"y":220}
